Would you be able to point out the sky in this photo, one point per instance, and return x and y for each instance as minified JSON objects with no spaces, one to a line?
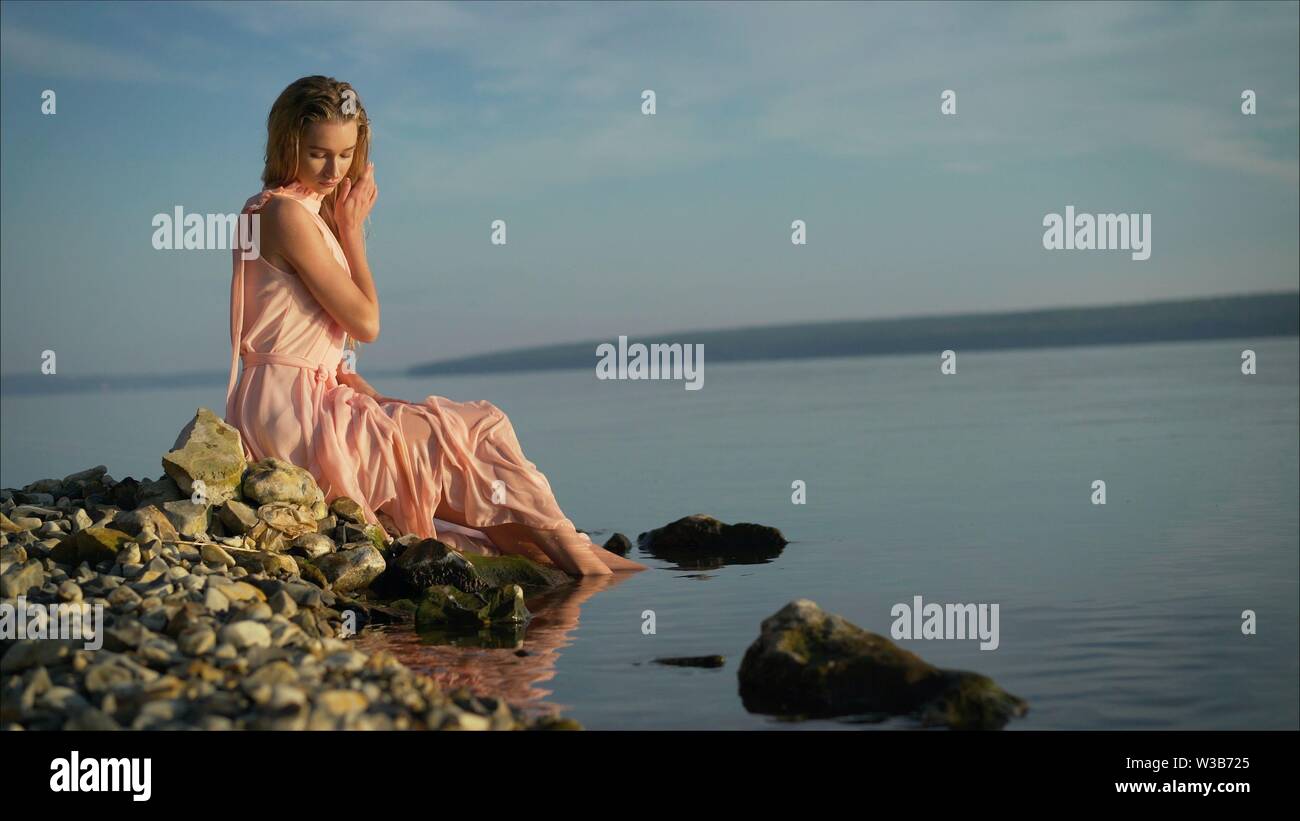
{"x":624,"y":223}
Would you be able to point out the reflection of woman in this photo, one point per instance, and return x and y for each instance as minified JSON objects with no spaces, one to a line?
{"x":499,"y":671}
{"x":292,"y":309}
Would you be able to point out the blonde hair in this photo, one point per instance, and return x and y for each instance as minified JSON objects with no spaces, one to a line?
{"x":305,"y":101}
{"x":312,"y":100}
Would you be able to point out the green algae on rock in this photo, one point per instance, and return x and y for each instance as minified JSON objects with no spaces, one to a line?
{"x":429,"y":562}
{"x":445,"y":605}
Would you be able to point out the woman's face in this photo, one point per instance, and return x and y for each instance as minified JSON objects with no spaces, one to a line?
{"x":327,"y":150}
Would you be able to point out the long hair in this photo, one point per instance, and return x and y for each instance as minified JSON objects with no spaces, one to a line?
{"x":311,"y":100}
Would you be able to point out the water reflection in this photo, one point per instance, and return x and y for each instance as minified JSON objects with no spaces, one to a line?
{"x":512,"y":664}
{"x":700,"y":558}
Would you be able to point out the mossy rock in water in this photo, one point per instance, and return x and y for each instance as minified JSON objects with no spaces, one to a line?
{"x":369,"y":612}
{"x":429,"y":563}
{"x":444,"y":605}
{"x":972,"y":702}
{"x":528,"y":574}
{"x":811,"y":663}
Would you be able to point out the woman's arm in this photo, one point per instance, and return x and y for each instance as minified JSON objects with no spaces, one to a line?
{"x":354,"y":381}
{"x":351,"y":207}
{"x":291,"y":232}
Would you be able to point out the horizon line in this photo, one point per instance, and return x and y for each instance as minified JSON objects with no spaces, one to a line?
{"x":182,"y":378}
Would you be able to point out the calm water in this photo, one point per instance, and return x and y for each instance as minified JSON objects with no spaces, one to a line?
{"x":966,"y":488}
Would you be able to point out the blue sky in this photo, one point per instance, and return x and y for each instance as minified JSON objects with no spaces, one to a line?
{"x":621,"y":223}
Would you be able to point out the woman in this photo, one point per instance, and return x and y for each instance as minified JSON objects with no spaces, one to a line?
{"x":293,"y":307}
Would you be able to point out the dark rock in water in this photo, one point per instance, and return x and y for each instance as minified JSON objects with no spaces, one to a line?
{"x":505,"y":604}
{"x":693,"y":661}
{"x":444,"y":605}
{"x":372,"y":613}
{"x":618,"y":543}
{"x":816,"y":664}
{"x":429,"y":562}
{"x":424,"y":564}
{"x":701,"y":541}
{"x":404,"y":606}
{"x":497,"y":571}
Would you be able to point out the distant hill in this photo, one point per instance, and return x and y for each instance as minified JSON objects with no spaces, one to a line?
{"x":1276,"y":314}
{"x":1256,"y":315}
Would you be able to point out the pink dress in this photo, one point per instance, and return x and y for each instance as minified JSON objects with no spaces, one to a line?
{"x":404,"y":457}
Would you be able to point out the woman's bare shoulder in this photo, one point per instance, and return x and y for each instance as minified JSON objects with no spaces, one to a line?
{"x":285,"y":208}
{"x":289,"y":219}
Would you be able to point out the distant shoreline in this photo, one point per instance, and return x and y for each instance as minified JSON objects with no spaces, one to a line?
{"x":1254,"y":315}
{"x":1251,"y":316}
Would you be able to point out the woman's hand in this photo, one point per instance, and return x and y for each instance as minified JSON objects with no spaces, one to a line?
{"x":354,"y":202}
{"x":355,"y":382}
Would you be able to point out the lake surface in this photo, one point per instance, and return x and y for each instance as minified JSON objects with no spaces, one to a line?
{"x":974,"y":487}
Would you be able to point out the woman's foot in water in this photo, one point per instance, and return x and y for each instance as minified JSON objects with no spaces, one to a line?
{"x":589,"y":558}
{"x":575,"y":550}
{"x":613,"y":561}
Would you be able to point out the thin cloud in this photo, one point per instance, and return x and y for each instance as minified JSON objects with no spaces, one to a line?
{"x":35,"y":52}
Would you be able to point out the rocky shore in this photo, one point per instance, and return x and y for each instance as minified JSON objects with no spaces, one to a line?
{"x":226,"y":597}
{"x":223,"y":596}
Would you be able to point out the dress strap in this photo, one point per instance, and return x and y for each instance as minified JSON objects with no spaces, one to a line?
{"x":236,"y":326}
